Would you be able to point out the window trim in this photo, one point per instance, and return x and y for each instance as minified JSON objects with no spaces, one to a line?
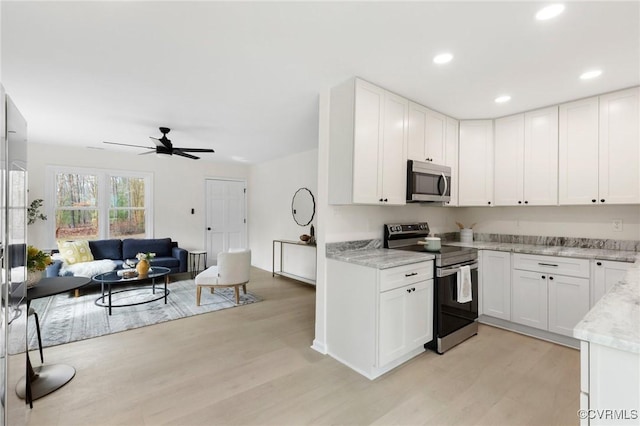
{"x":103,"y":201}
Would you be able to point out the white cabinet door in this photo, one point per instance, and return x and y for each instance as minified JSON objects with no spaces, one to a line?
{"x":496,"y":284}
{"x":427,"y":131}
{"x":392,"y":342}
{"x":406,"y":320}
{"x":529,"y":299}
{"x":509,"y":161}
{"x":607,"y":274}
{"x":367,"y":148}
{"x":367,"y":145}
{"x":619,"y":173}
{"x":435,"y":137}
{"x":568,"y":303}
{"x":416,"y":132}
{"x":451,"y":157}
{"x":475,"y":160}
{"x":541,"y":157}
{"x":419,"y":314}
{"x":394,"y":152}
{"x":578,"y":152}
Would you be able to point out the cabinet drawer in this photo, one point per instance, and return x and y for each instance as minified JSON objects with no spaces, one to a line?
{"x":552,"y":265}
{"x":402,"y":275}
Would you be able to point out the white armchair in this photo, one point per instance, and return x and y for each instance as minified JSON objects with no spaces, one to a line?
{"x":232,"y":270}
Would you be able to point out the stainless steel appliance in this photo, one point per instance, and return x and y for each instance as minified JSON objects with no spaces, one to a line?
{"x":428,"y":182}
{"x":453,"y":322}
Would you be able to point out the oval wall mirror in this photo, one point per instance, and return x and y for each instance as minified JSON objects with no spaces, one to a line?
{"x":303,"y":206}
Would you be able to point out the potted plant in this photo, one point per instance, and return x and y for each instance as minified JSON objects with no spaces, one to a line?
{"x":37,"y":262}
{"x":143,"y":265}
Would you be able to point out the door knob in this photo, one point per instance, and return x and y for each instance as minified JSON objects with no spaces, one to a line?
{"x":208,"y":228}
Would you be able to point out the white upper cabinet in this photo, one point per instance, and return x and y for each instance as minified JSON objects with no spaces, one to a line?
{"x":368,"y":145}
{"x":541,"y":157}
{"x":509,"y":161}
{"x":619,"y":173}
{"x":526,"y":158}
{"x":599,"y":151}
{"x":475,"y":161}
{"x":426,"y":134}
{"x":451,"y":157}
{"x":578,"y":152}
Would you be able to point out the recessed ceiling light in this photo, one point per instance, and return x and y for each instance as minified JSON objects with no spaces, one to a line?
{"x":549,"y":12}
{"x":590,"y":74}
{"x":443,"y":58}
{"x":239,"y":158}
{"x":502,"y":99}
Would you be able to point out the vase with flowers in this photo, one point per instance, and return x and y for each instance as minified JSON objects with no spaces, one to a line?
{"x":37,"y":262}
{"x":144,"y":265}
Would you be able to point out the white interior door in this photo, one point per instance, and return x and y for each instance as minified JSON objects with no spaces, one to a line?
{"x":226,"y":225}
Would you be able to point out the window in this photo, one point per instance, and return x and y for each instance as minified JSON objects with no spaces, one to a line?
{"x":99,"y":204}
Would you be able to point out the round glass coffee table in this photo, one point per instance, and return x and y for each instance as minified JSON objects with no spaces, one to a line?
{"x":115,"y":278}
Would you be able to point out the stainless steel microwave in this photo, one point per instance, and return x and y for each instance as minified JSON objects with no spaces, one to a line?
{"x":428,"y":182}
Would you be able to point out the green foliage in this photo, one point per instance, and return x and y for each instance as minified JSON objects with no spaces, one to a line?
{"x":37,"y":260}
{"x":33,"y":211}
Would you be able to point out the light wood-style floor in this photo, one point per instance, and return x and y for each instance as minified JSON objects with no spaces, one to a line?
{"x":252,"y":365}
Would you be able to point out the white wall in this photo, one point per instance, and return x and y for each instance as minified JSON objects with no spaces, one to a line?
{"x":272,"y":185}
{"x":178,"y":185}
{"x":565,"y":221}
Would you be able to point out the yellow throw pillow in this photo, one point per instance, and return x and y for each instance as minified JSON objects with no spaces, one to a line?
{"x":75,"y":251}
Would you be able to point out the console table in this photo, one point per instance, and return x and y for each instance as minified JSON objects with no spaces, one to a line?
{"x":280,"y":272}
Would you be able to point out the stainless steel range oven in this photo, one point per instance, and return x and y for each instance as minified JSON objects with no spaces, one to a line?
{"x":453,"y":322}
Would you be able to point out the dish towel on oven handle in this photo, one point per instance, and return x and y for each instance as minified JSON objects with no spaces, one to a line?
{"x":464,"y":285}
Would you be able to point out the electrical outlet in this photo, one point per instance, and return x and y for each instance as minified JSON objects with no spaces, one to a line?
{"x":617,"y":225}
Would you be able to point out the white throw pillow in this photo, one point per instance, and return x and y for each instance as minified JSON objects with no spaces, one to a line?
{"x":88,"y":269}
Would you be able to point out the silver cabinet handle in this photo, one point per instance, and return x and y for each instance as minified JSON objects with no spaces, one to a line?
{"x":446,"y":185}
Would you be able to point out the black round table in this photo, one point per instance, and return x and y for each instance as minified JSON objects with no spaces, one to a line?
{"x":47,"y":378}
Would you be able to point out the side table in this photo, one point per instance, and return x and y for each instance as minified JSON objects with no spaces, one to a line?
{"x":195,"y":257}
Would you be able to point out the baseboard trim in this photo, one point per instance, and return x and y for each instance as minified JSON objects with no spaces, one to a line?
{"x":530,"y":331}
{"x":319,"y":346}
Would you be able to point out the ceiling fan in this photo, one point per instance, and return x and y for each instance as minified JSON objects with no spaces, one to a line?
{"x":164,"y":146}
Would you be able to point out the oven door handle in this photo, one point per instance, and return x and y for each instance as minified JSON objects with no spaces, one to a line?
{"x":445,"y":272}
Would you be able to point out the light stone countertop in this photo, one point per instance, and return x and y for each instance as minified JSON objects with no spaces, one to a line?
{"x":577,"y":252}
{"x":380,"y":258}
{"x":615,"y":320}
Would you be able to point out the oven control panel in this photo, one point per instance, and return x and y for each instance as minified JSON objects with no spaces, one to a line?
{"x":403,"y":228}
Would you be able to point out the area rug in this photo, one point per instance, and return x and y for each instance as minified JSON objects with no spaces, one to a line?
{"x":64,"y":318}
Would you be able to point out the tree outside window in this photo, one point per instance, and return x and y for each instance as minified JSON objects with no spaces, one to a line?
{"x":97,"y":205}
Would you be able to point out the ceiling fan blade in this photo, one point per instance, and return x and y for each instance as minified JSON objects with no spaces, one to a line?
{"x":162,"y":142}
{"x":184,"y":154}
{"x":194,"y":149}
{"x":126,"y":144}
{"x":151,"y":151}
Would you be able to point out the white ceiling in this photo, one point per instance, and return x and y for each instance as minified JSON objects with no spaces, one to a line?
{"x":244,"y":78}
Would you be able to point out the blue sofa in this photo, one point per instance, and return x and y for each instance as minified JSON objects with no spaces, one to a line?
{"x":168,"y":254}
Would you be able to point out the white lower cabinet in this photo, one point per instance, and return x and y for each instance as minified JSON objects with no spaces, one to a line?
{"x":606,"y":274}
{"x":378,"y":318}
{"x":496,"y":283}
{"x":549,"y":293}
{"x":529,"y":299}
{"x":403,"y":323}
{"x":568,"y":303}
{"x":609,"y":388}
